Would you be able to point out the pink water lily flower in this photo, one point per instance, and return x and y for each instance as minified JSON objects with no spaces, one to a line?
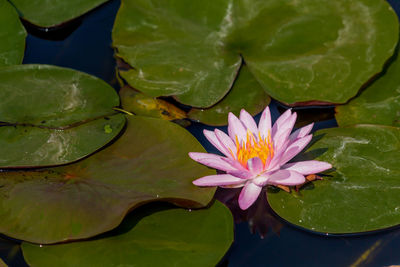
{"x":256,"y":156}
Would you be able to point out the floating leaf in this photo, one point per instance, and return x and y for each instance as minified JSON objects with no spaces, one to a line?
{"x":363,"y":193}
{"x":140,"y":104}
{"x":53,"y":115}
{"x":377,"y":104}
{"x":246,"y":94}
{"x":12,"y":35}
{"x":27,"y":146}
{"x":46,"y":14}
{"x":174,"y":236}
{"x":299,"y":51}
{"x":148,"y":162}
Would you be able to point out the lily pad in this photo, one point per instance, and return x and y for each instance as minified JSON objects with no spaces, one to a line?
{"x":172,"y":52}
{"x":363,"y":192}
{"x":47,"y":14}
{"x":53,"y":115}
{"x":50,"y":96}
{"x":93,"y":195}
{"x":175,"y":237}
{"x":377,"y":104}
{"x":246,"y":94}
{"x":12,"y":35}
{"x":29,"y":146}
{"x":299,"y":51}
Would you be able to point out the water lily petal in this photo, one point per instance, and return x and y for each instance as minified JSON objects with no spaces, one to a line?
{"x":282,"y":133}
{"x":234,"y":163}
{"x":212,"y":138}
{"x":218,"y":180}
{"x":280,"y":122}
{"x":248,"y":121}
{"x":301,"y":132}
{"x":243,"y":174}
{"x":264,"y":126}
{"x":249,"y":195}
{"x":236,"y":128}
{"x":226,"y":141}
{"x":212,"y":160}
{"x":286,"y":177}
{"x":308,"y":167}
{"x":255,"y":165}
{"x":294,"y":149}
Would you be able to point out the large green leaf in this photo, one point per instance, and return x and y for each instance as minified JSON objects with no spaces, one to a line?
{"x":43,"y":13}
{"x":363,"y":193}
{"x":53,"y":115}
{"x":377,"y":104}
{"x":173,"y":237}
{"x":148,"y":162}
{"x":173,"y":52}
{"x":12,"y":35}
{"x":299,"y":51}
{"x":246,"y":94}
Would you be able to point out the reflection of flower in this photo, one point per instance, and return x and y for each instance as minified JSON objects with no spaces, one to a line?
{"x":258,"y":156}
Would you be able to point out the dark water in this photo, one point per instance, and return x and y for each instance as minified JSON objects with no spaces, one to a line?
{"x":86,"y":46}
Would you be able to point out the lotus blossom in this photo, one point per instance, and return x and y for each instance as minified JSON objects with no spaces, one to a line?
{"x":256,"y":156}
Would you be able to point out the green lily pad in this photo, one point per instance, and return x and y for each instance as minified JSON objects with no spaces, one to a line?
{"x":246,"y":94}
{"x":299,"y":51}
{"x":47,"y":14}
{"x":53,"y":115}
{"x":377,"y":104}
{"x":363,"y":193}
{"x":175,"y":237}
{"x":12,"y":35}
{"x":93,"y":195}
{"x":27,"y":146}
{"x":50,"y":96}
{"x":172,"y":52}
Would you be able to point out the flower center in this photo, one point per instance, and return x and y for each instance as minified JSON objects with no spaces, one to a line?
{"x":254,"y":147}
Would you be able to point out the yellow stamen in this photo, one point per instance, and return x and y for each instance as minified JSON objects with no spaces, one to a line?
{"x":251,"y":147}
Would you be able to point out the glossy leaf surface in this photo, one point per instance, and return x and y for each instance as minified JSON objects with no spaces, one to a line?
{"x":28,"y":146}
{"x":299,"y":51}
{"x":52,"y":115}
{"x":12,"y":35}
{"x":377,"y":104}
{"x":363,"y":192}
{"x":50,"y":96}
{"x":246,"y":93}
{"x":46,"y":14}
{"x":148,"y":162}
{"x":172,"y":237}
